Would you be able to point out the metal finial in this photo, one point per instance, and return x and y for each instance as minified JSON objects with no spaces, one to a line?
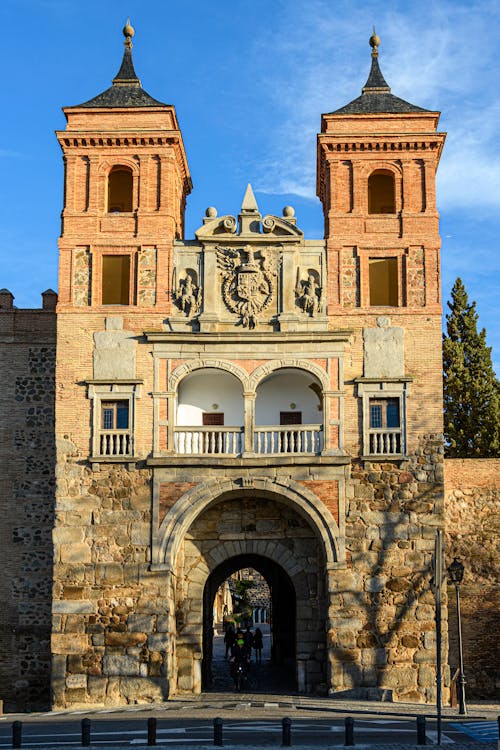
{"x":374,"y":42}
{"x":128,"y":33}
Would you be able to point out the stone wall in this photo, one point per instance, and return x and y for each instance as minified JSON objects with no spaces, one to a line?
{"x":472,"y":534}
{"x":110,"y":614}
{"x":384,"y":638}
{"x":27,"y":457}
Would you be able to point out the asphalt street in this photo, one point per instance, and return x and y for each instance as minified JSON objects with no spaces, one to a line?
{"x":130,"y":731}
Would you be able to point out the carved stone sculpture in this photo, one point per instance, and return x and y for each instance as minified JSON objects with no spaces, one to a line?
{"x":247,"y":284}
{"x":308,"y":293}
{"x":187,"y":295}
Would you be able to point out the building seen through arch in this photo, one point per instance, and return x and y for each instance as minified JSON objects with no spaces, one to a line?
{"x":245,"y":399}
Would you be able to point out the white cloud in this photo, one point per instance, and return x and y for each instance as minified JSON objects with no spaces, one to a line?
{"x":442,"y":58}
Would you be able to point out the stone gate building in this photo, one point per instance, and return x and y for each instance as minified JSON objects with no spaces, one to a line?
{"x":246,"y":398}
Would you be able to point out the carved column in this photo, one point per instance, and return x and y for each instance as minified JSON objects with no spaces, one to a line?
{"x":172,"y":416}
{"x":211,"y":290}
{"x":249,"y":409}
{"x":288,"y":312}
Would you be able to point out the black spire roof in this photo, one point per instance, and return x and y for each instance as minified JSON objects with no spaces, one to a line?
{"x":126,"y":90}
{"x":376,"y":94}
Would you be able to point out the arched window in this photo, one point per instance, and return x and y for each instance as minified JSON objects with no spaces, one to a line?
{"x":120,"y":189}
{"x":381,"y":193}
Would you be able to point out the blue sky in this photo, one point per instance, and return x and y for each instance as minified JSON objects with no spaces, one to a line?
{"x":249,"y":80}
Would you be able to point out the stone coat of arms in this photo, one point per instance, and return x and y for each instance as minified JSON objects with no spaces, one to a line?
{"x":247,"y":282}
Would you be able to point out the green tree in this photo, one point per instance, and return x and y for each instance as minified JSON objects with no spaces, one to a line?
{"x":242,"y":606}
{"x":471,"y":390}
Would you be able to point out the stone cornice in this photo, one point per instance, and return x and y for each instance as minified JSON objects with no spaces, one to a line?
{"x":229,"y":337}
{"x":99,"y":139}
{"x":250,"y":461}
{"x":377,"y":143}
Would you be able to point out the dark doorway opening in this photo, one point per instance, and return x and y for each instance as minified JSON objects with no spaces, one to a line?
{"x":275,"y":674}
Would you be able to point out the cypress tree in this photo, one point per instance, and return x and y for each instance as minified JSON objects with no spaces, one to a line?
{"x":471,"y":390}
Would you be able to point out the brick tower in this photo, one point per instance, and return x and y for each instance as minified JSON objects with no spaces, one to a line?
{"x":126,"y":182}
{"x":377,"y":160}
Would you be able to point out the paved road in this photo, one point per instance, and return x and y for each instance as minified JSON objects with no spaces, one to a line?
{"x":129,"y":731}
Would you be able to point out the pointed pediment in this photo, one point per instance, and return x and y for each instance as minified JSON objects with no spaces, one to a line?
{"x":218,"y":225}
{"x":250,"y":223}
{"x":279,"y":226}
{"x":249,"y":204}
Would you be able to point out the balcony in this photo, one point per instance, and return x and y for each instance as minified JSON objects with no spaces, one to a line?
{"x":200,"y":441}
{"x":115,"y":443}
{"x":385,"y":442}
{"x":306,"y":439}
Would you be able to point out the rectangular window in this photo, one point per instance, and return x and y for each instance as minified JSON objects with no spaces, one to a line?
{"x":115,"y":415}
{"x":214,"y":442}
{"x":290,"y":440}
{"x":383,"y":280}
{"x":116,"y":279}
{"x":290,"y":417}
{"x":384,"y":413}
{"x":375,"y":415}
{"x":213,"y":419}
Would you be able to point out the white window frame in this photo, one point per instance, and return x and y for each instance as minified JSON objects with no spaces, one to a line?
{"x":381,"y":390}
{"x":123,"y":447}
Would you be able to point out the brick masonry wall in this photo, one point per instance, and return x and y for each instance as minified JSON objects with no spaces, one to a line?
{"x":472,"y":488}
{"x":27,"y":457}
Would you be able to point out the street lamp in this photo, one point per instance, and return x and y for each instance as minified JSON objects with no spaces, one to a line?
{"x":456,"y":574}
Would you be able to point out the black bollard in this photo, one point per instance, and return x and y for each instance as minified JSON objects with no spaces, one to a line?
{"x":421,"y":738}
{"x":17,"y":734}
{"x":349,"y":731}
{"x":85,"y":732}
{"x":218,"y":742}
{"x":286,"y":732}
{"x":152,"y":731}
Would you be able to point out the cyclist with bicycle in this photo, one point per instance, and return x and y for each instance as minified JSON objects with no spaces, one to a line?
{"x":240,"y":659}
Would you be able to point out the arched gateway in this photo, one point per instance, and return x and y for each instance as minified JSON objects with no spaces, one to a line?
{"x":280,"y":530}
{"x":283,"y":614}
{"x":282,"y":396}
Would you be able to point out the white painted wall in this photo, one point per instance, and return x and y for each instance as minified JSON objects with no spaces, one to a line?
{"x":283,"y":388}
{"x":203,"y":388}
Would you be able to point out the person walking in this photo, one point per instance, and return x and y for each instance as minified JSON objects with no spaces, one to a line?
{"x":257,"y":644}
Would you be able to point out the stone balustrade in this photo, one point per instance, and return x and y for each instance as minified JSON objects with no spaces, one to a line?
{"x":267,"y":440}
{"x":305,"y":438}
{"x":195,"y":441}
{"x":115,"y":443}
{"x":385,"y":442}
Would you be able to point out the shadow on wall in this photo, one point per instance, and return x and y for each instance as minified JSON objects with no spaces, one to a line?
{"x":28,"y":477}
{"x":385,"y":637}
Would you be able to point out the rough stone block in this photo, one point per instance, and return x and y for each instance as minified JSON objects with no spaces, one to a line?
{"x":119,"y":664}
{"x":69,"y":644}
{"x":141,"y":623}
{"x":72,"y":606}
{"x":158,"y":641}
{"x":124,"y":640}
{"x":75,"y":553}
{"x":144,"y":690}
{"x":76,"y":681}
